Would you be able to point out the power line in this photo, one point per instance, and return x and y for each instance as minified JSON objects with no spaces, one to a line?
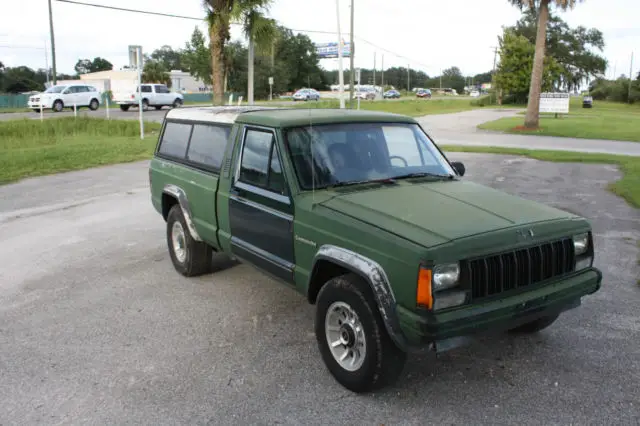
{"x":171,"y":15}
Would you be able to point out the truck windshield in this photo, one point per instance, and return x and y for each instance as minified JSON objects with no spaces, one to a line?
{"x":325,"y":155}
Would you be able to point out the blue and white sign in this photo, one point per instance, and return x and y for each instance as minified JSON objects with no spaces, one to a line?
{"x":330,"y":50}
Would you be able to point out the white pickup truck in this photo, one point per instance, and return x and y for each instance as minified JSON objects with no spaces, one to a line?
{"x":153,"y":95}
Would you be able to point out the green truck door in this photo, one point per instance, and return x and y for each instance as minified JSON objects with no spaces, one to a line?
{"x":260,"y":208}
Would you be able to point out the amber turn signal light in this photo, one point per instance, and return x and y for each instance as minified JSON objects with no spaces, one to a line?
{"x":424,"y":297}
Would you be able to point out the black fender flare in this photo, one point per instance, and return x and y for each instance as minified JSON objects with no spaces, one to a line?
{"x":375,"y":276}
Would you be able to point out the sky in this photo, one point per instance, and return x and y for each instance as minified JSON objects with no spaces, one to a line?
{"x":424,"y":34}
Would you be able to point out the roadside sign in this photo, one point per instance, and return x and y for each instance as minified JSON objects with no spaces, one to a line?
{"x":271,"y":80}
{"x":554,"y":103}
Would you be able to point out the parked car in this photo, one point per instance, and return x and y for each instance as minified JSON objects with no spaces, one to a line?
{"x":474,"y":94}
{"x":153,"y":95}
{"x":367,"y":94}
{"x":306,"y":95}
{"x":587,"y":102}
{"x":391,"y":94}
{"x":64,"y":96}
{"x":364,"y":215}
{"x":423,"y":93}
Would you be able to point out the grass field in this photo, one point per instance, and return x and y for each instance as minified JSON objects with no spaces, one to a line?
{"x":33,"y":148}
{"x":413,"y":107}
{"x":628,"y":187}
{"x":606,"y":120}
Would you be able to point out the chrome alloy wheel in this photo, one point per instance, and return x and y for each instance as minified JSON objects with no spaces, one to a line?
{"x":178,"y":242}
{"x":345,"y":336}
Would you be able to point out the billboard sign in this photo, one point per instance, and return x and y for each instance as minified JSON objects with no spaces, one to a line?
{"x":554,"y":103}
{"x":330,"y":50}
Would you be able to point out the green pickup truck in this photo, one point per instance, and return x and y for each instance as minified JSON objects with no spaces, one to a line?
{"x":364,"y":215}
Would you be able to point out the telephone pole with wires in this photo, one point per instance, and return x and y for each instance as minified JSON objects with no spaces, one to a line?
{"x":53,"y":46}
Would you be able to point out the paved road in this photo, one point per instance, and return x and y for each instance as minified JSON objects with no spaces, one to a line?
{"x":460,"y":129}
{"x":96,"y":326}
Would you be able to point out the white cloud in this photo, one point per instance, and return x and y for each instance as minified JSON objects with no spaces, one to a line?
{"x":434,"y":35}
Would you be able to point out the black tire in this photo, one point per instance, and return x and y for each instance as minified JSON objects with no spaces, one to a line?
{"x":58,"y":106}
{"x":93,"y":105}
{"x":198,"y":254}
{"x":383,"y":360}
{"x":36,"y":110}
{"x":177,"y":103}
{"x":537,"y":325}
{"x":145,"y":104}
{"x":158,"y":107}
{"x":124,"y":107}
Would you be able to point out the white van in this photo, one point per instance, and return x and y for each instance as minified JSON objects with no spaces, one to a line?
{"x":66,"y":96}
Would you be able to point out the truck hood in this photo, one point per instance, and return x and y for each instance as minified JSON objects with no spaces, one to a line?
{"x":433,"y":213}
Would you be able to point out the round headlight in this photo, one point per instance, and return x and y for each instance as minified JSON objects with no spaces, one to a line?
{"x":446,"y":276}
{"x":581,"y":243}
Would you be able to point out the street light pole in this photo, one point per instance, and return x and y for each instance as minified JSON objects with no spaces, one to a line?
{"x":351,"y":52}
{"x":340,"y":74}
{"x":53,"y":45}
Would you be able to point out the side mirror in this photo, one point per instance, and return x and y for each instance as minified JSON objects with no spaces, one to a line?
{"x":458,"y":167}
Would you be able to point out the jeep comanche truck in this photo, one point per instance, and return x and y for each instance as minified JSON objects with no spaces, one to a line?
{"x":365,"y":216}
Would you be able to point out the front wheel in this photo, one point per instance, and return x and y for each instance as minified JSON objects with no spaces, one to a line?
{"x":58,"y":106}
{"x":94,"y":104}
{"x":537,"y":325}
{"x":190,"y":257}
{"x":177,"y":103}
{"x":352,"y":338}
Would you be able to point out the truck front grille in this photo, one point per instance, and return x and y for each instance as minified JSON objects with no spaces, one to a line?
{"x":494,"y":274}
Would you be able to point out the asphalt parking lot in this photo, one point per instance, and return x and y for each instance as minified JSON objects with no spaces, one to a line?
{"x":97,"y":327}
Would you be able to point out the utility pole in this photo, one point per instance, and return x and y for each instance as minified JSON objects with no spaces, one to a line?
{"x":382,"y":69}
{"x":374,"y":69}
{"x":53,"y":45}
{"x":340,"y":73}
{"x":351,"y":52}
{"x":408,"y":78}
{"x":630,"y":78}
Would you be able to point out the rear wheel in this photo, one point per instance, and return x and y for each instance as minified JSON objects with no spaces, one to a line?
{"x":190,"y":257}
{"x":145,"y":104}
{"x":93,"y":105}
{"x":537,"y":325}
{"x":352,"y":338}
{"x":124,"y":107}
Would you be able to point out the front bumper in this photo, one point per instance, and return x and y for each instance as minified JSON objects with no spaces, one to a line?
{"x":451,"y":328}
{"x":40,"y":104}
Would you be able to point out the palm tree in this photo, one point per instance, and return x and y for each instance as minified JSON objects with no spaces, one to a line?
{"x":259,"y":30}
{"x":532,"y":116}
{"x":218,"y":20}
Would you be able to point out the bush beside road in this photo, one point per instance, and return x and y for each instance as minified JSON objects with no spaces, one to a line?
{"x":33,"y":148}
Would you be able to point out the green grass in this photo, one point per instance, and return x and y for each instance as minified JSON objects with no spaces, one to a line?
{"x":413,"y":108}
{"x":606,"y":120}
{"x":34,"y":148}
{"x":628,"y":187}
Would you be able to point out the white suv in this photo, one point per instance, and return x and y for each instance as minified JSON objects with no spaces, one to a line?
{"x":66,"y":96}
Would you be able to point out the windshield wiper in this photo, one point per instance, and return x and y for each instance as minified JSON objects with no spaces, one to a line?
{"x":358,"y":182}
{"x":424,"y":174}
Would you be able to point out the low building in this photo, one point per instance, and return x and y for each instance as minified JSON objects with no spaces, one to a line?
{"x":126,"y":80}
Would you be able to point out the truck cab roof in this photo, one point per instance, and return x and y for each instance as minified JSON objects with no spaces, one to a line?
{"x":281,"y":116}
